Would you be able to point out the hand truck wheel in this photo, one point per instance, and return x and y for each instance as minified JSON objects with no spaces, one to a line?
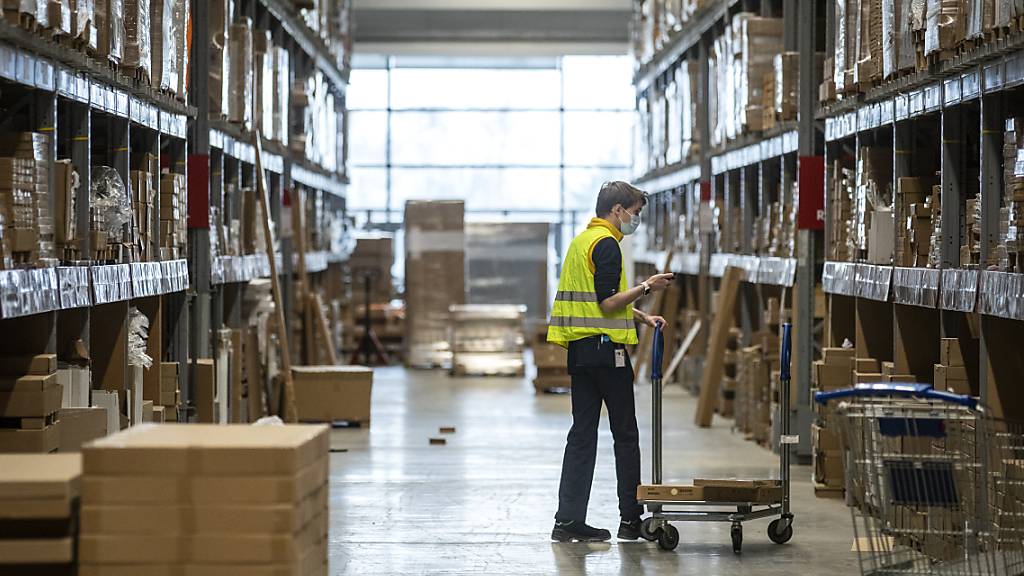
{"x":780,"y":537}
{"x":668,"y":537}
{"x":737,"y":538}
{"x":646,"y":532}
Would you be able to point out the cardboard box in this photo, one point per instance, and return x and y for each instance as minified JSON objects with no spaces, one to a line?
{"x":829,"y":468}
{"x":175,"y":519}
{"x":753,"y":491}
{"x":824,"y":440}
{"x":831,"y":377}
{"x":661,"y":492}
{"x":39,"y":551}
{"x":38,"y":365}
{"x":201,"y":449}
{"x":839,"y":357}
{"x":158,"y":414}
{"x":81,"y":425}
{"x":867,"y":377}
{"x":550,"y":356}
{"x":205,"y":388}
{"x":30,"y":441}
{"x":170,"y":490}
{"x":38,"y":477}
{"x":29,"y":396}
{"x":952,"y":379}
{"x":333,"y":393}
{"x":163,"y":390}
{"x":867,"y":365}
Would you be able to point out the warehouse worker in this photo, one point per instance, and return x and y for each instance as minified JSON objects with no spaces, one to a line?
{"x":593,"y":316}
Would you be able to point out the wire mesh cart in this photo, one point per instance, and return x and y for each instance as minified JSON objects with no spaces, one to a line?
{"x":934,"y":483}
{"x":658,"y":527}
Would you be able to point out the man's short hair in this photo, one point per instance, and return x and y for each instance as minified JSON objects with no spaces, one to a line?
{"x":619,"y":192}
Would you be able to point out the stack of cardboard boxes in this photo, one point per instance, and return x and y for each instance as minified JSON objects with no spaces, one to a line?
{"x":26,"y":222}
{"x":173,"y":216}
{"x":488,"y":339}
{"x":1011,"y":215}
{"x":551,"y":361}
{"x":840,"y":211}
{"x":952,"y":373}
{"x":39,"y":513}
{"x":30,"y":399}
{"x":435,"y":277}
{"x":373,"y":256}
{"x":914,"y":222}
{"x":204,"y":499}
{"x":833,"y":372}
{"x":164,"y":393}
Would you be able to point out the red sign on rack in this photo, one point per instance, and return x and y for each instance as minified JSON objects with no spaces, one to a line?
{"x":811,"y":179}
{"x":199,"y":191}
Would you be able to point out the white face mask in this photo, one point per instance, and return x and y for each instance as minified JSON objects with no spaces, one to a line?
{"x":628,"y":228}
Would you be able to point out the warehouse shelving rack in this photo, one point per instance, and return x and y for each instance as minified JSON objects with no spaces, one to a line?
{"x":962,"y":105}
{"x":96,"y":115}
{"x":744,"y":173}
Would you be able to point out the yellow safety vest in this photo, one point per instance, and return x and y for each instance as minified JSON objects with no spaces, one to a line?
{"x":576,"y":313}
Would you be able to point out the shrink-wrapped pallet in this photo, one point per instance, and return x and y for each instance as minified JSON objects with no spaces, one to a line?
{"x":219,"y":64}
{"x":944,"y":26}
{"x":757,"y":43}
{"x":240,"y":79}
{"x":137,"y":46}
{"x":83,"y":23}
{"x":165,"y":66}
{"x":110,"y":30}
{"x":263,"y":83}
{"x":281,"y":90}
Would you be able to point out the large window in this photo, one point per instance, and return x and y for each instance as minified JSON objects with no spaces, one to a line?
{"x":528,"y":141}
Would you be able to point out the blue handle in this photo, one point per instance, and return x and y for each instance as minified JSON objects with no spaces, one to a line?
{"x":924,"y":391}
{"x":657,"y":353}
{"x":787,"y":345}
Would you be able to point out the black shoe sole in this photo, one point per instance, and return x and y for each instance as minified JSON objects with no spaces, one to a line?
{"x":560,"y":535}
{"x":628,"y":535}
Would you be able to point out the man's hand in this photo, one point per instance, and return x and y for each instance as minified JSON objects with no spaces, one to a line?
{"x":660,"y":281}
{"x":654,"y":321}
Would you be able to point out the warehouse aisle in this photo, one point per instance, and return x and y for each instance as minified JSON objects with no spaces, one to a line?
{"x":483,"y":503}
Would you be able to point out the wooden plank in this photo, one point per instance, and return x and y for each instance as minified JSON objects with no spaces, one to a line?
{"x":288,"y":410}
{"x":678,"y":358}
{"x":236,"y":376}
{"x":309,"y":351}
{"x":711,"y":379}
{"x":317,"y":307}
{"x":253,"y":375}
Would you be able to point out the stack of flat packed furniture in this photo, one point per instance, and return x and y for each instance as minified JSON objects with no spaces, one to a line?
{"x":38,"y":513}
{"x":205,"y":499}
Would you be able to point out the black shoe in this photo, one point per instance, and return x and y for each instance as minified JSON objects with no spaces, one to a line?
{"x":629,"y":529}
{"x":574,"y":531}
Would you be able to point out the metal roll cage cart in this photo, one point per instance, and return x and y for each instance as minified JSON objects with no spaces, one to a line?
{"x":658,"y":527}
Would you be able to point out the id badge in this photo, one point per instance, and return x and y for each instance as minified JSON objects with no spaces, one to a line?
{"x":620,"y":358}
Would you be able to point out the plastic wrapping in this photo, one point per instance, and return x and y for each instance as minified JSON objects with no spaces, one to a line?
{"x":263,"y":83}
{"x":240,"y":101}
{"x":873,"y":282}
{"x":164,"y":73}
{"x":111,"y":283}
{"x":959,"y":289}
{"x":282,"y":88}
{"x":1002,"y":294}
{"x":944,"y":26}
{"x":110,"y":29}
{"x":137,"y":46}
{"x":915,"y":286}
{"x":58,"y":16}
{"x":839,"y":278}
{"x":760,"y":39}
{"x":73,"y":282}
{"x":83,"y":22}
{"x":777,"y":271}
{"x":487,"y":339}
{"x":180,"y":28}
{"x":508,"y":264}
{"x":25,"y":292}
{"x":841,"y":39}
{"x":138,"y":339}
{"x":110,"y":206}
{"x":219,"y":64}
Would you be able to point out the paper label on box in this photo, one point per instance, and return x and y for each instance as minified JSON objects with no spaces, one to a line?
{"x":789,"y":439}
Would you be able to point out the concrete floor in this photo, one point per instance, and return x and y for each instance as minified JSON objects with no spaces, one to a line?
{"x":483,"y":503}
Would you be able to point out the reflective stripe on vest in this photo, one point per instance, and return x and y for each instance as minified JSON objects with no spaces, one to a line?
{"x":576,"y":313}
